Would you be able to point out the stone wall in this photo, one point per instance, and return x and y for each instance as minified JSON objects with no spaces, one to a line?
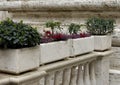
{"x":37,"y":12}
{"x":3,"y":14}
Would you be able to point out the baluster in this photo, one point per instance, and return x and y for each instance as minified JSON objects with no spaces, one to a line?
{"x":80,"y":75}
{"x":58,"y":78}
{"x":49,"y":79}
{"x":66,"y":76}
{"x":92,"y":73}
{"x":73,"y":79}
{"x":42,"y":81}
{"x":102,"y":70}
{"x":86,"y":74}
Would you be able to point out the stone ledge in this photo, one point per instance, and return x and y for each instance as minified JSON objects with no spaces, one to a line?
{"x":69,"y":62}
{"x":113,"y":71}
{"x":4,"y":81}
{"x":64,"y":5}
{"x":114,"y":77}
{"x":105,"y":53}
{"x":27,"y":77}
{"x":7,"y":79}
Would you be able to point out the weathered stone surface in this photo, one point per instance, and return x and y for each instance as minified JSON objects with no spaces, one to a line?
{"x":102,"y":71}
{"x":37,"y":12}
{"x":114,"y":77}
{"x":82,"y":45}
{"x":115,"y":58}
{"x":102,"y":43}
{"x":54,"y":51}
{"x":3,"y":14}
{"x":62,"y":5}
{"x":116,"y":37}
{"x":51,"y":71}
{"x":19,"y":60}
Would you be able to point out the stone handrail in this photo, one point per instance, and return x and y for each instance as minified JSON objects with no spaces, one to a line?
{"x":70,"y":62}
{"x":70,"y":5}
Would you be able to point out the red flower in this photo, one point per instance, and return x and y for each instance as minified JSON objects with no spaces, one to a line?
{"x":57,"y":36}
{"x":82,"y":34}
{"x":48,"y":33}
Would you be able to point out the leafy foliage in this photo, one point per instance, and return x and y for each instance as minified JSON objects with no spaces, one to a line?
{"x":17,"y":35}
{"x":49,"y":37}
{"x":53,"y":25}
{"x":74,"y":28}
{"x":100,"y":26}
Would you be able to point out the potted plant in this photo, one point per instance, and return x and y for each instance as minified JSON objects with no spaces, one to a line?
{"x":54,"y":46}
{"x":82,"y":42}
{"x":101,"y":29}
{"x":53,"y":25}
{"x":18,"y":47}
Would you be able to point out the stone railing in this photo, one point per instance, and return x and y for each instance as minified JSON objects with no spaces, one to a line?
{"x":88,"y":69}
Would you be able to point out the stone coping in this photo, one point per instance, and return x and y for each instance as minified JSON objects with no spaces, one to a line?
{"x":57,"y":5}
{"x":4,"y":79}
{"x":21,"y":78}
{"x":42,"y":71}
{"x":75,"y":61}
{"x":114,"y":71}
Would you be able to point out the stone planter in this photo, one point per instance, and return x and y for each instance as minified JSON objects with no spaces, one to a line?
{"x":19,"y":60}
{"x":54,"y":51}
{"x":102,"y":43}
{"x":82,"y":45}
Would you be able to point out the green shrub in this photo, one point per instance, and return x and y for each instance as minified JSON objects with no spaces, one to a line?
{"x":74,"y":28}
{"x":53,"y":25}
{"x":100,"y":26}
{"x":17,"y":35}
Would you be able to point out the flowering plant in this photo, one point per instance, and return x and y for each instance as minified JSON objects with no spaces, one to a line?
{"x":49,"y":37}
{"x":74,"y":32}
{"x":53,"y":25}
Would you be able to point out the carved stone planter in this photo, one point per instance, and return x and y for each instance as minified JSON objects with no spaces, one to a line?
{"x":54,"y":51}
{"x":102,"y":43}
{"x":19,"y":60}
{"x":82,"y":45}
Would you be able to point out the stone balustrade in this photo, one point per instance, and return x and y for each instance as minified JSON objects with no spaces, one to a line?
{"x":89,"y":69}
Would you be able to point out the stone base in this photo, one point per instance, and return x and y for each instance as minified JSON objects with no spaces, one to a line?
{"x":115,"y":58}
{"x":114,"y":77}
